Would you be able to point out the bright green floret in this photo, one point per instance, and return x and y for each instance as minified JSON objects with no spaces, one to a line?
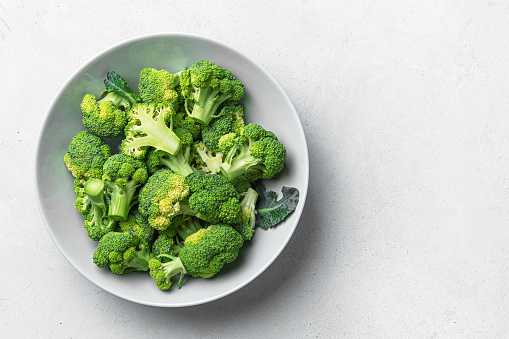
{"x":183,"y":121}
{"x":157,"y":86}
{"x":93,"y":207}
{"x":230,"y":121}
{"x":207,"y":85}
{"x":213,"y":198}
{"x":123,"y":175}
{"x":256,"y":154}
{"x":138,"y":224}
{"x":86,"y":155}
{"x":246,"y":227}
{"x":122,"y":253}
{"x":160,"y":199}
{"x":148,"y":127}
{"x":163,"y":268}
{"x":205,"y":252}
{"x":178,"y":163}
{"x":166,"y":243}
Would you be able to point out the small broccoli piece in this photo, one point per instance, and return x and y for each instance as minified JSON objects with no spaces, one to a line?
{"x":256,"y":154}
{"x":122,"y":253}
{"x":157,"y":86}
{"x":230,"y":122}
{"x":138,"y":224}
{"x":246,"y":227}
{"x":205,"y":252}
{"x":163,"y":268}
{"x":182,"y":120}
{"x":161,"y":198}
{"x":148,"y":128}
{"x":166,"y":243}
{"x":86,"y":155}
{"x":91,"y":204}
{"x":207,"y":86}
{"x":79,"y":187}
{"x":206,"y":160}
{"x":178,"y":163}
{"x":213,"y":198}
{"x":123,"y":175}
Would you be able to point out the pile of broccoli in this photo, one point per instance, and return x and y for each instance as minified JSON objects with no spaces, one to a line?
{"x":179,"y":197}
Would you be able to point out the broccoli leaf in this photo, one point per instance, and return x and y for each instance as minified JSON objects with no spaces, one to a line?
{"x":116,"y":84}
{"x":270,"y":211}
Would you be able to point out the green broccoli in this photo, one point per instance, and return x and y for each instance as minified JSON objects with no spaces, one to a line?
{"x":188,"y":226}
{"x":246,"y":227}
{"x":138,"y":224}
{"x":205,"y":252}
{"x":157,"y":86}
{"x":91,"y":204}
{"x":122,"y":253}
{"x":86,"y":155}
{"x":256,"y":154}
{"x":207,"y":86}
{"x":122,"y":175}
{"x":166,"y":243}
{"x":213,"y":198}
{"x":148,"y":128}
{"x":182,"y":120}
{"x":163,"y":268}
{"x":178,"y":163}
{"x":230,"y":121}
{"x":106,"y":116}
{"x":161,"y":197}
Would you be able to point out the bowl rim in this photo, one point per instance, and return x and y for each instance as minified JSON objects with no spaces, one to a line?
{"x":302,"y":190}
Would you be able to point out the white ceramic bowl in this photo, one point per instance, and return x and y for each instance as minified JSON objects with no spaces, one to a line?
{"x":265,"y":102}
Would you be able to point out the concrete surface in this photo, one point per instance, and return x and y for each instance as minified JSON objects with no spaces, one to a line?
{"x":406,"y":110}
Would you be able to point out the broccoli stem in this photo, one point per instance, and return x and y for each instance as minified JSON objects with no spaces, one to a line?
{"x":236,"y":165}
{"x":178,"y":164}
{"x":141,"y":259}
{"x":120,"y":200}
{"x":94,"y":189}
{"x":189,"y":227}
{"x":207,"y":101}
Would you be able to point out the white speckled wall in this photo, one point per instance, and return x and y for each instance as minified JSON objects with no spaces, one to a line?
{"x":405,"y":107}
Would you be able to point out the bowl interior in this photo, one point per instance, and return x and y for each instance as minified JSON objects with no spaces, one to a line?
{"x":265,"y":102}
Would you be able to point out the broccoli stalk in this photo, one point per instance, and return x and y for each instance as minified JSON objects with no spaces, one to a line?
{"x":246,"y":227}
{"x":188,"y":227}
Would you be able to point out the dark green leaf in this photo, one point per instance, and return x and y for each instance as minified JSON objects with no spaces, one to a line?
{"x":116,"y":84}
{"x":270,"y":211}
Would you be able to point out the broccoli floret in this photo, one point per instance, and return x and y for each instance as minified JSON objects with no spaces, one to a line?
{"x":163,"y":268}
{"x":92,"y":205}
{"x":138,"y":224}
{"x":230,"y":121}
{"x":246,"y":227}
{"x":157,"y":86}
{"x":205,"y":252}
{"x":213,"y":198}
{"x":178,"y":163}
{"x":148,"y":128}
{"x":106,"y":115}
{"x":206,"y":160}
{"x":166,"y":243}
{"x":86,"y":155}
{"x":207,"y":86}
{"x":241,"y":184}
{"x":256,"y":154}
{"x":160,"y":199}
{"x":182,"y":120}
{"x":122,"y":253}
{"x":122,"y":175}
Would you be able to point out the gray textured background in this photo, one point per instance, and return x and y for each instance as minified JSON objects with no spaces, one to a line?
{"x":405,"y":108}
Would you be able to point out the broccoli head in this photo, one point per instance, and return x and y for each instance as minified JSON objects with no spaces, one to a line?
{"x":205,"y":252}
{"x":183,"y":121}
{"x":255,"y":154}
{"x":160,"y":199}
{"x":230,"y":121}
{"x":166,"y":243}
{"x":207,"y":85}
{"x":148,"y":127}
{"x":157,"y":86}
{"x":123,"y":175}
{"x":213,"y":198}
{"x":122,"y":253}
{"x":86,"y":155}
{"x":163,"y":268}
